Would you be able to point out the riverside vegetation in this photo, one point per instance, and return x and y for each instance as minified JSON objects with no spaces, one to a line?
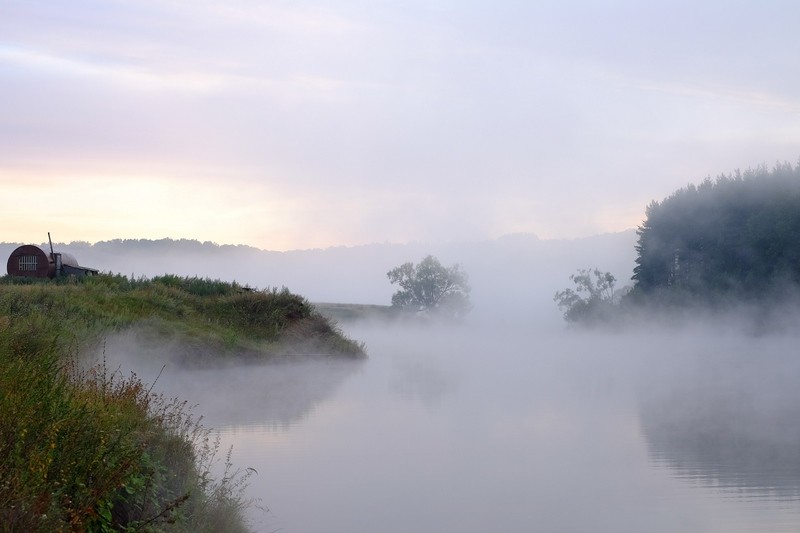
{"x":88,"y":449}
{"x":725,"y":243}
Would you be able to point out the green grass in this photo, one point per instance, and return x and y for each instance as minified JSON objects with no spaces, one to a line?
{"x":86,"y":450}
{"x":213,"y":317}
{"x":89,"y":450}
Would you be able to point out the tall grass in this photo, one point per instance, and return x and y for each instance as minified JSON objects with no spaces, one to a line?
{"x":89,"y":450}
{"x":220,"y":317}
{"x":92,"y":450}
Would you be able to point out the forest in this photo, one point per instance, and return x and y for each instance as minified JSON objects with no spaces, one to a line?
{"x":728,"y":241}
{"x":733,"y":237}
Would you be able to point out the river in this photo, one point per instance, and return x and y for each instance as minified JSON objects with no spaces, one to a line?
{"x":501,"y":429}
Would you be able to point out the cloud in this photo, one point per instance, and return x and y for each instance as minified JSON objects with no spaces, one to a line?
{"x":125,"y":75}
{"x":394,"y":121}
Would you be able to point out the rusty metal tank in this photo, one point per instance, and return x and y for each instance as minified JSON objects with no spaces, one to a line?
{"x":32,"y":261}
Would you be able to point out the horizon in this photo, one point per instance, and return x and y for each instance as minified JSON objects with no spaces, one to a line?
{"x":521,"y":235}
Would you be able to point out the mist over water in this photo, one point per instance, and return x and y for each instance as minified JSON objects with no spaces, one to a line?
{"x":509,"y":422}
{"x":490,"y":428}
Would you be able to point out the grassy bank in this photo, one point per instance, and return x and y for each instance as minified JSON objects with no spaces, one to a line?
{"x":208,"y":318}
{"x":92,"y":450}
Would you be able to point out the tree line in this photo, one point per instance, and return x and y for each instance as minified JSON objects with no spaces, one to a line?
{"x":732,"y":239}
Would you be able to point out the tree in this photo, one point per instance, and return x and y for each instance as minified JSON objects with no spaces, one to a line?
{"x":593,"y":298}
{"x":430,"y":288}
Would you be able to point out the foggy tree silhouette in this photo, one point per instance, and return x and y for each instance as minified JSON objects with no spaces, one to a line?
{"x":593,"y":298}
{"x":431,"y":288}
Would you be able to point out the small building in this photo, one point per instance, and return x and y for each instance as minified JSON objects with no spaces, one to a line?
{"x":31,"y":261}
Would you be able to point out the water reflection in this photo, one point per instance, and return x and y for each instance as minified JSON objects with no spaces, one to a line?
{"x":421,"y":379}
{"x":273,"y":395}
{"x":728,"y":422}
{"x":474,"y":431}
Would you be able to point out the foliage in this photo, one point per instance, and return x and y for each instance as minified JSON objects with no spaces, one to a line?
{"x":732,"y":238}
{"x":431,"y":288}
{"x":593,"y":298}
{"x":93,"y":451}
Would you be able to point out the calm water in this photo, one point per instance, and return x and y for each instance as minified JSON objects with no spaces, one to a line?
{"x":486,"y":431}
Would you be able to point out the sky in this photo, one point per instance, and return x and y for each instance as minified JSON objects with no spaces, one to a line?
{"x":306,"y":124}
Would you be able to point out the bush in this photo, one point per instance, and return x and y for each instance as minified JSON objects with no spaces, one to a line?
{"x":593,"y":299}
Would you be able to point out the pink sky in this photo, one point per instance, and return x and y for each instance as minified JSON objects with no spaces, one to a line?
{"x":313,"y":124}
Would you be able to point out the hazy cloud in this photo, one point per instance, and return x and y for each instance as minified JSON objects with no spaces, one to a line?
{"x":352,"y":122}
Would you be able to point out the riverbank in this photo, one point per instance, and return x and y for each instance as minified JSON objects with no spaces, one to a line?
{"x":94,"y":450}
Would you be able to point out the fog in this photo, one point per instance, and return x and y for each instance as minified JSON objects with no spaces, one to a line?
{"x":510,"y":421}
{"x":282,"y":124}
{"x":475,"y":428}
